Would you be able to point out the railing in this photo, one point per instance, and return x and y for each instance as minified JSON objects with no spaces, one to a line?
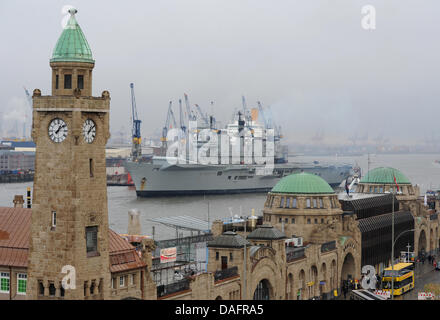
{"x":225,"y":273}
{"x":295,"y":254}
{"x":167,"y":289}
{"x":184,"y":241}
{"x":328,"y":246}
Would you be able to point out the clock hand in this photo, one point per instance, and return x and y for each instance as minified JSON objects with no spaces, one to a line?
{"x":61,"y":126}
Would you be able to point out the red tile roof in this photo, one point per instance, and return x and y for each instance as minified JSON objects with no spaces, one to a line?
{"x":14,"y":242}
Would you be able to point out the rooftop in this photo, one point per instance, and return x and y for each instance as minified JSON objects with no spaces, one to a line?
{"x":302,"y":183}
{"x":266,"y":232}
{"x":72,"y":45}
{"x":15,"y":226}
{"x":385,"y":175}
{"x":228,"y":239}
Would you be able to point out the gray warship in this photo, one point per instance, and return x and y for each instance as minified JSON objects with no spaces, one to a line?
{"x":165,"y":175}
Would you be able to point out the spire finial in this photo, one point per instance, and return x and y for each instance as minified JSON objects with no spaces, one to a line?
{"x":72,"y":11}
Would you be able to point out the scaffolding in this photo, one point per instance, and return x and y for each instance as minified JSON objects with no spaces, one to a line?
{"x":191,"y":251}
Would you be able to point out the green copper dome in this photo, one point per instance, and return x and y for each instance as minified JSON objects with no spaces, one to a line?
{"x":72,"y":44}
{"x":385,"y":176}
{"x":302,"y":183}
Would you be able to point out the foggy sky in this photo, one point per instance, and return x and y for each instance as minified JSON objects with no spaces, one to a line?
{"x":310,"y":60}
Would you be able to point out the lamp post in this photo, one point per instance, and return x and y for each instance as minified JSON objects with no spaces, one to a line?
{"x":244,"y":261}
{"x":392,"y":257}
{"x":392,"y":249}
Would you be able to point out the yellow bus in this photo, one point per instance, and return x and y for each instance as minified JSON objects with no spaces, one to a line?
{"x":403,"y":278}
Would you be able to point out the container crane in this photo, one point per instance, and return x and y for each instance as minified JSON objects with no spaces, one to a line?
{"x":136,"y":150}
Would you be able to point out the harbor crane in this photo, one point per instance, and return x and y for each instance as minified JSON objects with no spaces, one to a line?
{"x":136,"y":150}
{"x":29,"y":100}
{"x":170,"y":123}
{"x":182,"y":122}
{"x":190,"y":114}
{"x":202,"y":115}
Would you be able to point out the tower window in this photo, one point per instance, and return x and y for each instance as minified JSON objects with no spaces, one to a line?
{"x":282,"y":202}
{"x":54,"y":219}
{"x":52,"y":289}
{"x":294,"y":203}
{"x":67,"y":81}
{"x":91,"y":167}
{"x":57,"y":80}
{"x":40,"y":288}
{"x":308,"y":203}
{"x":80,"y":82}
{"x":92,"y":241}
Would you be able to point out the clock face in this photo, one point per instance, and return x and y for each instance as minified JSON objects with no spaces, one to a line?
{"x":57,"y":130}
{"x":89,"y":130}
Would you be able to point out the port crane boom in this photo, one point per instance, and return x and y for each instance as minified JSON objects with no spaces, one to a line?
{"x":136,"y":150}
{"x":170,"y":123}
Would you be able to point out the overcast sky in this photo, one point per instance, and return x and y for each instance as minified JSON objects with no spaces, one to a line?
{"x":309,"y":59}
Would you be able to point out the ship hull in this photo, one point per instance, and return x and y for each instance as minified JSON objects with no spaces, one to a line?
{"x":158,"y":180}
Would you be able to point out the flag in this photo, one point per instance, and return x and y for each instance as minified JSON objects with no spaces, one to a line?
{"x":346,"y":187}
{"x":396,"y":183}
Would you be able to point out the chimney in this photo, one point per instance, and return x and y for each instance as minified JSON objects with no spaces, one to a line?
{"x":134,"y":224}
{"x":18,"y":201}
{"x":217,"y":228}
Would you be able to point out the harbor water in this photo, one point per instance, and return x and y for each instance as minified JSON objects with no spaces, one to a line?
{"x":420,"y":169}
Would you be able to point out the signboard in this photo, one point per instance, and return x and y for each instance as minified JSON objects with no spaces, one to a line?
{"x":168,"y":255}
{"x":383,"y":293}
{"x":425,"y":296}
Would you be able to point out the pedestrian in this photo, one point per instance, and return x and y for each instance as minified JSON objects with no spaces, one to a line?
{"x":435,"y":264}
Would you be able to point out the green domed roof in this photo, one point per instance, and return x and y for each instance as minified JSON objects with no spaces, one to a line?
{"x":385,"y":176}
{"x":302,"y":183}
{"x":72,"y":44}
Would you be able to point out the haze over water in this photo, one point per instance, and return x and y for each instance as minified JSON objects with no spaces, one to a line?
{"x":419,"y":168}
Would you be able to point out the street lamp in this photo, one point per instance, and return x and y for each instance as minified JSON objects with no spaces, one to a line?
{"x":392,"y":255}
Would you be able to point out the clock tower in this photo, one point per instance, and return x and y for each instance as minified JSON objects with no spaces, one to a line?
{"x":69,"y":250}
